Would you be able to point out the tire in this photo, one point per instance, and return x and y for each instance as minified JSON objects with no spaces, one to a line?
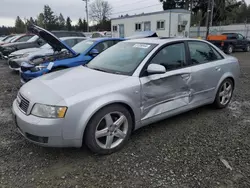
{"x":228,"y":93}
{"x":100,"y":123}
{"x":247,"y":48}
{"x":230,"y":49}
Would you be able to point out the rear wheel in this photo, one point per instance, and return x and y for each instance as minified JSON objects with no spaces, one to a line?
{"x":247,"y":48}
{"x":230,"y":49}
{"x":224,"y":94}
{"x":108,"y":130}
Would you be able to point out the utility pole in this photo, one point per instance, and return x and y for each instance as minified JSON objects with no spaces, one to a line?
{"x":87,"y":14}
{"x":207,"y":19}
{"x":212,"y":13}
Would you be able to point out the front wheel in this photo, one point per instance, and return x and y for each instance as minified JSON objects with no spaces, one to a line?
{"x":108,"y":130}
{"x":224,"y":94}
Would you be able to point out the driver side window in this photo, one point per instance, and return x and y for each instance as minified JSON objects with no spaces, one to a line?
{"x":171,"y":57}
{"x":240,"y":37}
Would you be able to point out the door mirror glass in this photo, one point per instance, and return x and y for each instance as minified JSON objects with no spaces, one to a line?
{"x":94,"y":52}
{"x":40,"y":42}
{"x":156,"y":69}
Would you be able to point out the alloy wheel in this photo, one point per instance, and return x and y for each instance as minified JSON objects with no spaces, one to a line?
{"x":226,"y":93}
{"x":111,"y":130}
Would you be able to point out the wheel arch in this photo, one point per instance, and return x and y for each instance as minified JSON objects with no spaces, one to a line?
{"x":224,"y":77}
{"x":95,"y":107}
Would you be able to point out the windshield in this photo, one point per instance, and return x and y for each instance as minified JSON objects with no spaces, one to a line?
{"x":83,"y":46}
{"x":32,"y":39}
{"x":122,"y":58}
{"x":10,"y":39}
{"x":46,"y":46}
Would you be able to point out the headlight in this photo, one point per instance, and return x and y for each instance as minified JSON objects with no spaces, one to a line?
{"x":25,"y":55}
{"x":38,"y":68}
{"x":47,"y":111}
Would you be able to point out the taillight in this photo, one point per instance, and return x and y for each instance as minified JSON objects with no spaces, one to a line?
{"x":222,"y":43}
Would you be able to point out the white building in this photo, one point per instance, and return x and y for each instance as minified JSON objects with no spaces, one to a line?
{"x":168,"y":23}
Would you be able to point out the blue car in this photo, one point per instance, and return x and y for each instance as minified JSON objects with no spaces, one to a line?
{"x":64,"y":56}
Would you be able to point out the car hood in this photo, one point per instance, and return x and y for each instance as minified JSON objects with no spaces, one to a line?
{"x":13,"y":44}
{"x":40,"y":52}
{"x":51,"y":39}
{"x":23,"y":51}
{"x":69,"y":82}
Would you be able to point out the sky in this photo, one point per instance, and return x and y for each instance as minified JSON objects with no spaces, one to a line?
{"x":10,"y":9}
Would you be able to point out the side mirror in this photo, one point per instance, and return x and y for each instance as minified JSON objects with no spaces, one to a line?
{"x":94,"y":52}
{"x":40,"y":42}
{"x":156,"y":69}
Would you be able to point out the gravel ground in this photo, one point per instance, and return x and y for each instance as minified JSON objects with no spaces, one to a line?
{"x":201,"y":148}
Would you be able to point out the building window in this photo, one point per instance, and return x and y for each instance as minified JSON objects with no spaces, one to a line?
{"x":160,"y":25}
{"x":114,"y":28}
{"x":138,"y":27}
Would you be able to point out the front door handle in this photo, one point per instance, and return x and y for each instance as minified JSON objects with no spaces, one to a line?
{"x":218,"y":69}
{"x":185,"y":76}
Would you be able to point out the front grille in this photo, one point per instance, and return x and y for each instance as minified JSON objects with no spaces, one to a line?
{"x":13,"y":64}
{"x":24,"y":104}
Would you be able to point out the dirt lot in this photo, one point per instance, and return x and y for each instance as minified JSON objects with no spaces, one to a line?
{"x":201,"y":148}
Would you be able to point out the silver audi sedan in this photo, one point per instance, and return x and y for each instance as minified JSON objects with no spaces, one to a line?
{"x":130,"y":85}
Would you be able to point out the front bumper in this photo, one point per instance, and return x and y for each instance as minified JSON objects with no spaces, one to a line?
{"x":14,"y":65}
{"x":41,"y":131}
{"x":28,"y":75}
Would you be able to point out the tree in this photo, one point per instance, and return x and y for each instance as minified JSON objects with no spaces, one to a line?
{"x":68,"y":24}
{"x":19,"y":25}
{"x":40,"y":20}
{"x":50,"y":20}
{"x":100,"y":10}
{"x":85,"y":25}
{"x":61,"y":21}
{"x":80,"y":25}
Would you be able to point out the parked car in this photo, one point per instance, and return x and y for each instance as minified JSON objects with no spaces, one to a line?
{"x":130,"y":85}
{"x":27,"y":55}
{"x":80,"y":54}
{"x":7,"y":39}
{"x":35,"y":41}
{"x":100,"y":34}
{"x":229,"y":42}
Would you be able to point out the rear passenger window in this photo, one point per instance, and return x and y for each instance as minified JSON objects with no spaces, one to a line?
{"x":171,"y":57}
{"x":201,"y":52}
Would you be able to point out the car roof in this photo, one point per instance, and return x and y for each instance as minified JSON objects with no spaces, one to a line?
{"x":158,"y":40}
{"x":66,"y":38}
{"x":104,"y":38}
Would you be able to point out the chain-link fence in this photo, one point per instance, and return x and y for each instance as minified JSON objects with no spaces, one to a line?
{"x":244,"y":29}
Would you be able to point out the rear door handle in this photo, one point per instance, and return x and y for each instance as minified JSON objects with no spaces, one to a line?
{"x":218,"y":68}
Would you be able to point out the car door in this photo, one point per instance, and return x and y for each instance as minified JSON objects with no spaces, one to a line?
{"x":163,"y":93}
{"x":206,"y":70}
{"x":242,"y":41}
